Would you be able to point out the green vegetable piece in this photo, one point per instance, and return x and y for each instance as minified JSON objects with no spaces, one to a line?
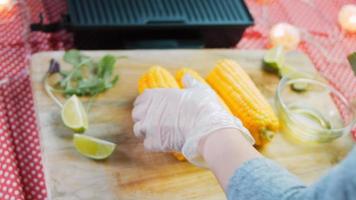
{"x":352,"y":60}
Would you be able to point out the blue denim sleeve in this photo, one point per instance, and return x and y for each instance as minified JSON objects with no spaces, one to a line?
{"x":263,"y":179}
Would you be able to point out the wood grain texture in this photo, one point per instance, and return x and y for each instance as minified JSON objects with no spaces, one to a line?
{"x":133,"y":173}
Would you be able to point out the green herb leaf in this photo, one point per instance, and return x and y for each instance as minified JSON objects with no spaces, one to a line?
{"x":72,"y":57}
{"x":77,"y":75}
{"x":70,"y":91}
{"x":75,"y":58}
{"x":106,"y":67}
{"x":64,"y":73}
{"x":111,"y":83}
{"x":87,"y":77}
{"x":115,"y":80}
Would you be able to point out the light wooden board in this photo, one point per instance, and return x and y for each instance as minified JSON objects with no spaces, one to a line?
{"x":133,"y":173}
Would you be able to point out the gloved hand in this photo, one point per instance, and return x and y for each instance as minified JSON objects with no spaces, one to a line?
{"x":176,"y":119}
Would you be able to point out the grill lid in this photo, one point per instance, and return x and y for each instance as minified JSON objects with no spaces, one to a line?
{"x":143,"y":13}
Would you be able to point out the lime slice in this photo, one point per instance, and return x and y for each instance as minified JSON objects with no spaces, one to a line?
{"x":292,"y":73}
{"x":74,"y":115}
{"x":92,"y":147}
{"x":274,"y":59}
{"x":299,"y":87}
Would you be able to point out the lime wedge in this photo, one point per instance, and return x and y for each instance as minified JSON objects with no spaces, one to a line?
{"x":274,"y":59}
{"x":292,"y":73}
{"x":74,"y":115}
{"x":92,"y":147}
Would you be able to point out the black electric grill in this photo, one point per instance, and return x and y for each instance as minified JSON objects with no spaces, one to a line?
{"x":111,"y":24}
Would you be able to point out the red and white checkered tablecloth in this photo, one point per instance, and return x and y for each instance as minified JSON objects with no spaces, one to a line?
{"x":21,"y":171}
{"x":319,"y":24}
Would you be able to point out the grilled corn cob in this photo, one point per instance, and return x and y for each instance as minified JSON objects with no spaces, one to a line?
{"x":158,"y":77}
{"x":183,"y":71}
{"x":245,"y":101}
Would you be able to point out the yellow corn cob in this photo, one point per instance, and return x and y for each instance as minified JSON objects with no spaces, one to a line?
{"x":158,"y":77}
{"x":245,"y":101}
{"x":178,"y":156}
{"x":183,"y":71}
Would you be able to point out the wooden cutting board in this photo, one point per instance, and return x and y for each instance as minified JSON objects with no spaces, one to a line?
{"x":133,"y":173}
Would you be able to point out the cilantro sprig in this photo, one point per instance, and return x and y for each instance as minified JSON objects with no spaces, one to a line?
{"x":87,"y":77}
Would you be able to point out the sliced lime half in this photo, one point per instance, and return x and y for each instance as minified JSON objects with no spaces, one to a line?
{"x":74,"y":115}
{"x":92,"y":147}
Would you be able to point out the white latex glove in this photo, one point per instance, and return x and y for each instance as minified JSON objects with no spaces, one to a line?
{"x":176,"y":119}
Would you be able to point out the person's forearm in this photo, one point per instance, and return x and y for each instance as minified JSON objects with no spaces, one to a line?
{"x":246,"y":174}
{"x":339,"y":183}
{"x":243,"y":172}
{"x":225,"y":151}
